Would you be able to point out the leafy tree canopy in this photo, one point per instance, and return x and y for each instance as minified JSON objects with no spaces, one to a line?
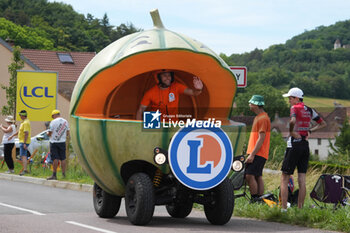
{"x":39,"y":24}
{"x":274,"y":102}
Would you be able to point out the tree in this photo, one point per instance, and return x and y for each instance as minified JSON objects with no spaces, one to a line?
{"x":11,"y":90}
{"x":274,"y":102}
{"x":277,"y":148}
{"x":341,"y":148}
{"x":342,"y":140}
{"x":123,"y":30}
{"x":106,"y":27}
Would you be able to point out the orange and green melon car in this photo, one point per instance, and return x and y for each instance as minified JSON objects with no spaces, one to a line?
{"x":127,"y":161}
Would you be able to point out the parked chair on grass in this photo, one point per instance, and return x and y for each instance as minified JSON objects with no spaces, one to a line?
{"x":331,"y":189}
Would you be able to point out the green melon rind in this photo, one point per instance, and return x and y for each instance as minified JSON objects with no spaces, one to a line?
{"x":92,"y":152}
{"x":125,"y":141}
{"x":78,"y":148}
{"x":124,"y":48}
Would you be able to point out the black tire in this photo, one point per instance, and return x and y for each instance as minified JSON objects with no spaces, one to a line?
{"x":139,"y":199}
{"x":106,"y":205}
{"x":220,"y":211}
{"x":179,"y":210}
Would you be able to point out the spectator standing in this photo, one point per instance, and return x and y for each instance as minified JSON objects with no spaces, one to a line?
{"x":8,"y":130}
{"x":58,"y":133}
{"x":297,"y":153}
{"x":258,"y":147}
{"x":24,"y":137}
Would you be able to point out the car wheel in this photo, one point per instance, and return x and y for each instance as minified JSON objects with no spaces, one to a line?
{"x":219,"y":210}
{"x":105,"y":204}
{"x":139,"y":199}
{"x":179,"y":210}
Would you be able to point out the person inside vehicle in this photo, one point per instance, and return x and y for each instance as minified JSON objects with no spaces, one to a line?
{"x":165,"y":95}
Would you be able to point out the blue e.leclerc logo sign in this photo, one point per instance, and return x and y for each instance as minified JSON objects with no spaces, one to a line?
{"x":200,"y":158}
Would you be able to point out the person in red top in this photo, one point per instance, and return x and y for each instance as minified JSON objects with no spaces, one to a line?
{"x":165,"y":96}
{"x":297,"y":153}
{"x":258,"y":147}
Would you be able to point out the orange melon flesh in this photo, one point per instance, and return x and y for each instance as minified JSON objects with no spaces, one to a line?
{"x":220,"y":87}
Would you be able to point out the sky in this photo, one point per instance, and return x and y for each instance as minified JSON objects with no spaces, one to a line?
{"x":225,"y":26}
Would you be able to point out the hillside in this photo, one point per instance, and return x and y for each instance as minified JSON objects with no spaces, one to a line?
{"x":307,"y":60}
{"x":324,"y":103}
{"x":322,"y":37}
{"x":39,"y":24}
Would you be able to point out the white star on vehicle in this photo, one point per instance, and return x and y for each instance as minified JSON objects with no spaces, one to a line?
{"x":155,"y":115}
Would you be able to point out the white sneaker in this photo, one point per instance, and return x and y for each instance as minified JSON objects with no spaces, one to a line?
{"x":8,"y":172}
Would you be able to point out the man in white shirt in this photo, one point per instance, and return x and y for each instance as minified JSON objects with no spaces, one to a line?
{"x":58,"y":133}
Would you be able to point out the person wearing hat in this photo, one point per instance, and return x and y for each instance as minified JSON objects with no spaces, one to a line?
{"x":297,"y":153}
{"x":8,"y":130}
{"x":258,"y":147}
{"x":165,"y":96}
{"x":24,"y":138}
{"x":58,"y":132}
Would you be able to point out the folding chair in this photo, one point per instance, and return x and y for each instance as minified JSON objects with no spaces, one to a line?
{"x":238,"y":178}
{"x":331,"y":189}
{"x":346,"y":190}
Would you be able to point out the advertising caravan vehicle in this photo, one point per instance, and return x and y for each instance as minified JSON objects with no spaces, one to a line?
{"x":169,"y":166}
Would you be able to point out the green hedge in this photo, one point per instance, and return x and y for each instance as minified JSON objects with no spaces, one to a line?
{"x":329,"y":167}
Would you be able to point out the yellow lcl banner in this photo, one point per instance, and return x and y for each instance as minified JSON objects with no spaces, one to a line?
{"x":37,"y":94}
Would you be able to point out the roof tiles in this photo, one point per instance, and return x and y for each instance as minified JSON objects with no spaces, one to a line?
{"x":49,"y":61}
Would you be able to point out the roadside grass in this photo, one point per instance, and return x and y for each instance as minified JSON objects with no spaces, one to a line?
{"x":326,"y":218}
{"x":75,"y":173}
{"x":310,"y":216}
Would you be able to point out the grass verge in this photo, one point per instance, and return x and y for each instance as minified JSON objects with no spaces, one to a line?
{"x":75,"y":173}
{"x":326,"y":218}
{"x":309,"y":216}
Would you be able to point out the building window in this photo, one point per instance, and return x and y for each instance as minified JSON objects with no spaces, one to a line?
{"x":316,"y":152}
{"x":319,"y":140}
{"x":65,"y":58}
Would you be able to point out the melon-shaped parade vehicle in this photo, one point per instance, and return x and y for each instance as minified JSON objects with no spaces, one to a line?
{"x":164,"y":166}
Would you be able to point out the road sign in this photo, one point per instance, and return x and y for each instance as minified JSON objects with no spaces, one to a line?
{"x":240,"y":73}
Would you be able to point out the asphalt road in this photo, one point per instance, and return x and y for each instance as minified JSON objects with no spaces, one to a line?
{"x":32,"y":208}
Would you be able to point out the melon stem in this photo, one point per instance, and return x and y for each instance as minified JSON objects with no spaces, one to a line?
{"x":157,"y":22}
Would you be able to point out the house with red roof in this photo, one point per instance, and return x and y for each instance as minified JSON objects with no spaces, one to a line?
{"x":68,"y":65}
